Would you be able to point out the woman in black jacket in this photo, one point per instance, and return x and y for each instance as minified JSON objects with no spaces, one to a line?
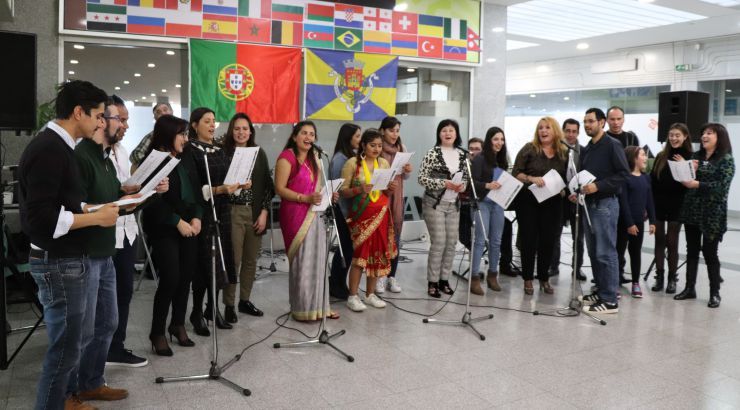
{"x":172,"y":223}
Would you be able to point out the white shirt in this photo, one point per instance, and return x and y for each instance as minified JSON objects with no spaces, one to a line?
{"x":125,"y":225}
{"x":452,"y":159}
{"x":66,"y":218}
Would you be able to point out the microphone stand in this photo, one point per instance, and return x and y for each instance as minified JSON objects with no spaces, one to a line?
{"x":325,"y":337}
{"x":575,"y":306}
{"x":272,"y":268}
{"x":466,"y":319}
{"x":215,"y":372}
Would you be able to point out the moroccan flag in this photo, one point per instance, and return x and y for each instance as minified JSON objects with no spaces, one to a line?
{"x":254,"y":30}
{"x":262,"y":81}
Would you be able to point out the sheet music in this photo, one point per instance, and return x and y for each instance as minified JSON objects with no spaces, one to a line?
{"x":242,"y":165}
{"x":159,"y":176}
{"x":335,"y":184}
{"x":682,"y":171}
{"x":449,"y":194}
{"x":584,"y":177}
{"x":381,"y":178}
{"x":124,"y":202}
{"x":399,"y":161}
{"x":553,"y":185}
{"x":510,"y":187}
{"x":150,"y":164}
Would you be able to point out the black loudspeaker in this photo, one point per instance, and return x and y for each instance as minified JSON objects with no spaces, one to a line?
{"x":688,"y":107}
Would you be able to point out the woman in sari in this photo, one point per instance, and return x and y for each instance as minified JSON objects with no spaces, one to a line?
{"x":370,"y":222}
{"x":297,"y":182}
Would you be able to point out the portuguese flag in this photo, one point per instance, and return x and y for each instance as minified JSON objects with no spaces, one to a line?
{"x":261,"y":81}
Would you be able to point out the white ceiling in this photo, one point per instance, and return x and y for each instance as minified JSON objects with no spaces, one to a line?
{"x":526,"y":23}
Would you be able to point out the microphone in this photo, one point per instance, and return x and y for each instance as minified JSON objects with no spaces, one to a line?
{"x":319,"y":149}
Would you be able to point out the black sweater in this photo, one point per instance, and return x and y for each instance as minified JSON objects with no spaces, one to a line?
{"x":608,"y":163}
{"x":49,"y":179}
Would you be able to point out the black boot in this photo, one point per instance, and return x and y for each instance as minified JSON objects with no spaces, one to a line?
{"x":230,"y":314}
{"x":580,"y":276}
{"x":220,"y":322}
{"x":672,"y":281}
{"x":199,"y":324}
{"x":692,"y":265}
{"x":659,"y":278}
{"x":714,"y":284}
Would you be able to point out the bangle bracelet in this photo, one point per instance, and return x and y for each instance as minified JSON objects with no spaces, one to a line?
{"x":298,"y":198}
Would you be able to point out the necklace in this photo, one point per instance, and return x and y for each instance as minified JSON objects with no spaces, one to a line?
{"x":374,"y":195}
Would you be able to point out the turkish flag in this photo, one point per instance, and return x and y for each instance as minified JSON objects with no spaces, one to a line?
{"x":431,"y":47}
{"x":407,"y":23}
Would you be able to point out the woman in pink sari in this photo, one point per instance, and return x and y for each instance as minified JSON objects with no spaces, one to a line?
{"x":298,"y":182}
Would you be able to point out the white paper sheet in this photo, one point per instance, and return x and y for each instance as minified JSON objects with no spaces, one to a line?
{"x":124,"y":202}
{"x":242,"y":165}
{"x":335,"y":185}
{"x":682,"y":171}
{"x":584,"y":177}
{"x":150,"y":164}
{"x":399,"y":161}
{"x":381,"y":178}
{"x":553,"y":185}
{"x":449,"y":194}
{"x":510,"y":187}
{"x":159,"y":176}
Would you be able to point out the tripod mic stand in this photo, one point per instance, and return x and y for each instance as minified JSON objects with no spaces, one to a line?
{"x":466,"y":319}
{"x":575,"y":306}
{"x":324,"y":337}
{"x":215,"y":372}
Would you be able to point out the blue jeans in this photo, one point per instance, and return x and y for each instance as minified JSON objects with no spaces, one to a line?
{"x":601,"y":241}
{"x":124,"y":264}
{"x":102,"y":301}
{"x":62,"y":291}
{"x":493,"y":222}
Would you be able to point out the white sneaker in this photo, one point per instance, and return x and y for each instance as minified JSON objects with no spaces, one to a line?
{"x":374,"y":301}
{"x":393,"y":285}
{"x":380,"y":285}
{"x":355,"y":304}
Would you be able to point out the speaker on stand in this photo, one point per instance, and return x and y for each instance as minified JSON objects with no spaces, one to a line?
{"x":688,"y":107}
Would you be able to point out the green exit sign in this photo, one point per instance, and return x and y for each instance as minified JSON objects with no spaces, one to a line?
{"x":683,"y":67}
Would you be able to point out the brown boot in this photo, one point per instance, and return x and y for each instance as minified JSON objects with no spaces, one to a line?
{"x":493,"y":282}
{"x":74,"y":403}
{"x":104,"y":393}
{"x":475,"y":285}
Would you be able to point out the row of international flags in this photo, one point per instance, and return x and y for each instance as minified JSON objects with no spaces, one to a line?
{"x":314,"y":24}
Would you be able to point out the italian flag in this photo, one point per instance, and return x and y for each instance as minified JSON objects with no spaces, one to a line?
{"x":261,"y":81}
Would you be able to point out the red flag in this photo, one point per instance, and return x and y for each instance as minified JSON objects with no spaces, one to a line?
{"x":431,"y":47}
{"x":473,"y":40}
{"x":407,"y":23}
{"x":254,"y":30}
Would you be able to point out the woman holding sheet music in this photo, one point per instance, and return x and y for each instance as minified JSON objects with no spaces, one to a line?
{"x":538,"y":221}
{"x":249,"y":211}
{"x":486,"y":169}
{"x":668,"y":197}
{"x":370,"y":222}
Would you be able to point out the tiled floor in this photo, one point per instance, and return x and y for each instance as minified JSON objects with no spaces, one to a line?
{"x":656,"y":353}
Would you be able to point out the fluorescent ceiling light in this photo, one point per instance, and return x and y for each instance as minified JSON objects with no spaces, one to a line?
{"x":516,"y":44}
{"x":498,"y":29}
{"x":595,"y":18}
{"x":116,"y":88}
{"x":582,"y":46}
{"x":126,"y":81}
{"x":70,"y":72}
{"x":137,"y":75}
{"x":79,"y":46}
{"x":401,"y":7}
{"x":164,"y":90}
{"x":74,"y":62}
{"x":532,"y":95}
{"x":151,"y":65}
{"x":153,"y":95}
{"x":170,"y":53}
{"x":177,"y":86}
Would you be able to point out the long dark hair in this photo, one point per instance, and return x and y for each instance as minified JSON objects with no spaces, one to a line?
{"x":453,"y":123}
{"x":388,"y":123}
{"x":195,"y":117}
{"x":499,"y":159}
{"x":165,"y":130}
{"x":368,"y":135}
{"x":344,"y":139}
{"x":228,"y":141}
{"x":668,"y":151}
{"x":631,"y":153}
{"x":723,"y":141}
{"x":291,"y":145}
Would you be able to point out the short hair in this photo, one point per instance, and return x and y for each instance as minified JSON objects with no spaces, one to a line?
{"x":165,"y":130}
{"x":228,"y":142}
{"x":600,"y":116}
{"x":614,"y":107}
{"x":117,"y":100}
{"x":195,"y":117}
{"x":724,"y":146}
{"x":474,"y":140}
{"x":446,"y":123}
{"x":572,"y":121}
{"x":631,"y":153}
{"x":344,"y":139}
{"x":156,"y":105}
{"x":77,"y":93}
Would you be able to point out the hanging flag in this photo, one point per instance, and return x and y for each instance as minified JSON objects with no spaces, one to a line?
{"x":375,"y":19}
{"x":347,"y":39}
{"x":431,"y":47}
{"x":184,"y":24}
{"x":350,"y":86}
{"x":261,"y":81}
{"x":320,"y":13}
{"x":456,"y":28}
{"x":185,"y":5}
{"x":377,"y":42}
{"x":473,"y":40}
{"x":350,"y":16}
{"x":407,"y":23}
{"x":431,"y":26}
{"x":404,"y":44}
{"x":318,"y":36}
{"x":288,"y":10}
{"x":110,"y":2}
{"x":254,"y":30}
{"x":219,"y":27}
{"x":255,"y":8}
{"x":104,"y":17}
{"x":222,"y":7}
{"x":287,"y":33}
{"x":139,"y":24}
{"x":160,"y":4}
{"x":455,"y":49}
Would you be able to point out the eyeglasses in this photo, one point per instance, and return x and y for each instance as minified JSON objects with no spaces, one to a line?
{"x":113,"y":117}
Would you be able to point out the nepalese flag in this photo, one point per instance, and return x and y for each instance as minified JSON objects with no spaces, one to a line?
{"x":231,"y":78}
{"x":350,"y":16}
{"x":378,"y":19}
{"x":473,"y":40}
{"x":350,"y":86}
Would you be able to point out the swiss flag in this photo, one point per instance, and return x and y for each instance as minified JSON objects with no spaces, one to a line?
{"x":407,"y":23}
{"x":431,"y":47}
{"x":473,"y":40}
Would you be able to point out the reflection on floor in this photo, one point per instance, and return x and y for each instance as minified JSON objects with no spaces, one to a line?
{"x":656,"y":353}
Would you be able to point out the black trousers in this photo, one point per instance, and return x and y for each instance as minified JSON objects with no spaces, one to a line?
{"x":538,"y":229}
{"x":507,"y":255}
{"x":338,"y":279}
{"x":633,"y":245}
{"x":175,"y":258}
{"x":696,"y":241}
{"x":123,"y":261}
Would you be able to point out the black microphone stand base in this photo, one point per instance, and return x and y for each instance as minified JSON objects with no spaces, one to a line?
{"x":466,"y":320}
{"x":574,"y":308}
{"x":324,"y":338}
{"x":213,"y":374}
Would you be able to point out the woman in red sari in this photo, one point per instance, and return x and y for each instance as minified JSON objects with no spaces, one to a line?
{"x":370,"y":221}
